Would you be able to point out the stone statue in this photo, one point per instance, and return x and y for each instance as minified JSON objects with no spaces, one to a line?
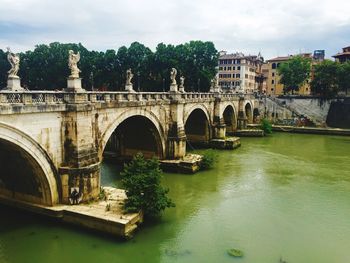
{"x":214,"y":87}
{"x":128,"y":83}
{"x":13,"y":59}
{"x":182,"y":84}
{"x":73,"y":60}
{"x":129,"y":77}
{"x":173,"y":74}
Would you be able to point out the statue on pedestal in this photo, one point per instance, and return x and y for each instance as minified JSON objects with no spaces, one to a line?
{"x":73,"y":60}
{"x":129,"y":77}
{"x":173,"y":85}
{"x":214,"y":87}
{"x":173,"y":74}
{"x":182,"y":84}
{"x":73,"y":81}
{"x":13,"y":81}
{"x":128,"y":83}
{"x":13,"y":59}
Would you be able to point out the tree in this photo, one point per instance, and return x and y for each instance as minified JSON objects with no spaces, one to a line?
{"x":4,"y":67}
{"x":344,"y":76}
{"x":294,"y":73}
{"x":141,"y":180}
{"x":326,"y":81}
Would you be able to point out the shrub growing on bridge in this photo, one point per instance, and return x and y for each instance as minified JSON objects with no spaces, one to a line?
{"x":208,"y":160}
{"x":266,"y":126}
{"x":141,"y":180}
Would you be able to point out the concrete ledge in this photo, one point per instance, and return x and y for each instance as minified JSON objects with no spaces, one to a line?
{"x":249,"y":133}
{"x":230,"y":143}
{"x":312,"y":130}
{"x":189,"y":164}
{"x":94,"y":216}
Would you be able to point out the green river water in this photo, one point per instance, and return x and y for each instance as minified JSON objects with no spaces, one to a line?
{"x":285,"y":196}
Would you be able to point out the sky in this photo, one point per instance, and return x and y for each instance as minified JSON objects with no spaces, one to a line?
{"x":272,"y":27}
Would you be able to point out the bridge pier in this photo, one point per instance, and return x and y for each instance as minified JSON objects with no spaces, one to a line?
{"x":81,"y":166}
{"x":176,"y":143}
{"x":242,"y":119}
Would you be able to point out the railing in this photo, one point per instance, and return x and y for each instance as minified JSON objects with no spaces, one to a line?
{"x":61,"y":97}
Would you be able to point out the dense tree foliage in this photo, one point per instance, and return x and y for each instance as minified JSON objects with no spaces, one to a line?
{"x":141,"y":180}
{"x":294,"y":73}
{"x":344,"y":77}
{"x":326,"y":79}
{"x":46,"y":67}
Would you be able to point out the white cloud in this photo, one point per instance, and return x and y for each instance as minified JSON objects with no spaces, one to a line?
{"x":274,"y":27}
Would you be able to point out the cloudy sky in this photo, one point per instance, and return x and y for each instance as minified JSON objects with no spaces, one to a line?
{"x":274,"y":27}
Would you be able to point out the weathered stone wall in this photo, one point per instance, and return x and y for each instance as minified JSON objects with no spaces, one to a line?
{"x":339,"y":114}
{"x":67,"y":134}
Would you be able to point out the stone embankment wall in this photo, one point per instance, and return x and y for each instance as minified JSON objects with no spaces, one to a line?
{"x":281,"y":109}
{"x":339,"y":114}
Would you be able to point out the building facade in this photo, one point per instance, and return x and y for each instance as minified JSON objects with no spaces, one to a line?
{"x":238,"y":72}
{"x":273,"y":85}
{"x":344,"y":56}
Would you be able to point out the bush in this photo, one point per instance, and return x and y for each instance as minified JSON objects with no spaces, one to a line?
{"x":266,"y":126}
{"x":208,"y":160}
{"x":141,"y":180}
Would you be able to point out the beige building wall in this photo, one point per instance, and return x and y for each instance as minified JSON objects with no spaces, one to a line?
{"x":273,"y":86}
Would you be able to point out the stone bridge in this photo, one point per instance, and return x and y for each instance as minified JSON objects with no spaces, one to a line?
{"x":52,"y":141}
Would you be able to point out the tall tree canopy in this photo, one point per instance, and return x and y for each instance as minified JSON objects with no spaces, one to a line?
{"x":45,"y":68}
{"x":294,"y":73}
{"x":326,"y":79}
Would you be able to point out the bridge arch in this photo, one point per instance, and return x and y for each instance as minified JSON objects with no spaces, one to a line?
{"x":229,"y":115}
{"x":248,"y":109}
{"x":28,"y":174}
{"x":149,"y":126}
{"x":197,"y":125}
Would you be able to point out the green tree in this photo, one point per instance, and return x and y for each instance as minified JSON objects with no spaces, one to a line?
{"x":4,"y":67}
{"x":294,"y":73}
{"x":141,"y":180}
{"x":344,"y":76}
{"x":325,"y":82}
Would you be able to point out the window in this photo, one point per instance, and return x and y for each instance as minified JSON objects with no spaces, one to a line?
{"x":246,"y":76}
{"x":273,"y":74}
{"x":273,"y":81}
{"x":233,"y":68}
{"x":220,"y":68}
{"x":238,"y":68}
{"x":273,"y":65}
{"x":224,"y":68}
{"x":238,"y":75}
{"x":229,"y":68}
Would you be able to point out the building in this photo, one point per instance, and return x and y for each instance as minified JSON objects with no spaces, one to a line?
{"x":274,"y":87}
{"x":238,"y":72}
{"x":343,"y":56}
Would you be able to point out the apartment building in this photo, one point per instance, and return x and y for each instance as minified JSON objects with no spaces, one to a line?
{"x":273,"y":85}
{"x":344,"y":56}
{"x":238,"y":72}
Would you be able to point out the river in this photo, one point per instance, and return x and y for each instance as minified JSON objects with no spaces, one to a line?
{"x":284,"y":196}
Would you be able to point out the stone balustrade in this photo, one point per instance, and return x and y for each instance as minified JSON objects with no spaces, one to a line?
{"x":60,"y":97}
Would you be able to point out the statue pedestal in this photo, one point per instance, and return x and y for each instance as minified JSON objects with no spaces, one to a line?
{"x":173,"y":88}
{"x":74,"y":85}
{"x":182,"y":89}
{"x":14,"y":84}
{"x":129,"y":88}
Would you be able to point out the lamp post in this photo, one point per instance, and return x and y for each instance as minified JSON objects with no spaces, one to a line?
{"x":163,"y":84}
{"x":199,"y":83}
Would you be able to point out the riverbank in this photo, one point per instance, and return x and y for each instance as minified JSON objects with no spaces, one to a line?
{"x":104,"y":216}
{"x":307,"y":130}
